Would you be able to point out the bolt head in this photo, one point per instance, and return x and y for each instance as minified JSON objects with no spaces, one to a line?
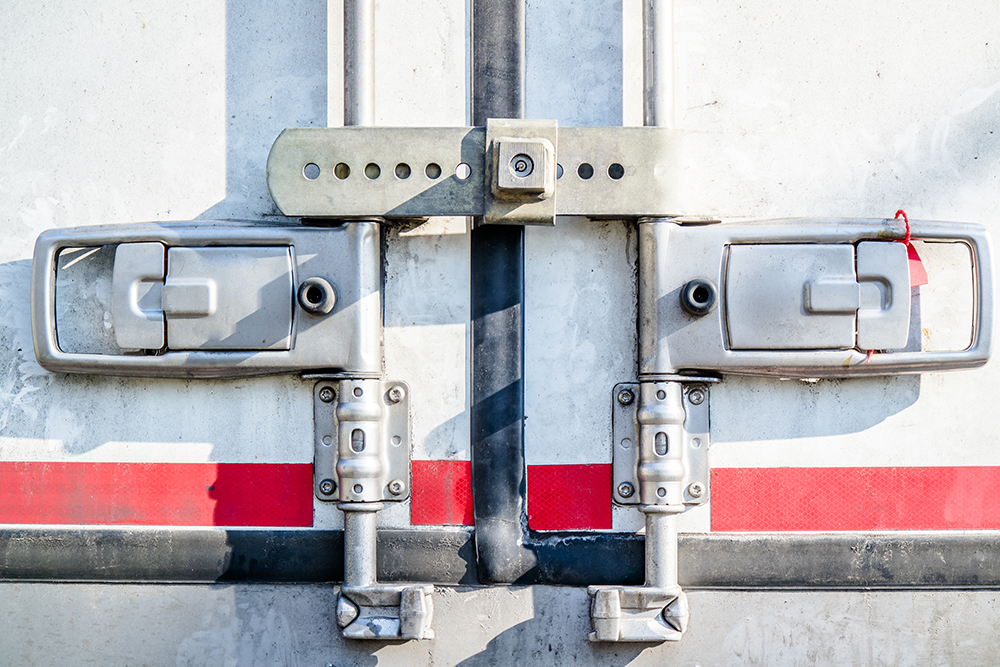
{"x":396,"y":394}
{"x":696,"y":396}
{"x":326,"y":394}
{"x":396,"y":487}
{"x":626,"y":490}
{"x":625,"y":397}
{"x":696,"y":489}
{"x":327,"y":487}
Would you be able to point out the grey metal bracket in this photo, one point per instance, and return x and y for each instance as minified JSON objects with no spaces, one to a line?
{"x":405,"y":172}
{"x":386,"y":611}
{"x":377,"y":421}
{"x":637,"y":614}
{"x":627,"y":445}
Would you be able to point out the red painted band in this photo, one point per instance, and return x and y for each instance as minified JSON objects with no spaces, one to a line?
{"x":885,"y":498}
{"x":156,"y":494}
{"x":569,"y":497}
{"x":442,"y":493}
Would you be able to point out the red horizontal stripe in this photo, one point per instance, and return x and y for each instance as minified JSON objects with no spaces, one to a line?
{"x":887,"y":498}
{"x":569,"y":497}
{"x":165,"y":494}
{"x":442,"y":493}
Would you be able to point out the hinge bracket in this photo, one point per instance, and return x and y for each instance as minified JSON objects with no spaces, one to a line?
{"x":628,"y":399}
{"x":355,"y":432}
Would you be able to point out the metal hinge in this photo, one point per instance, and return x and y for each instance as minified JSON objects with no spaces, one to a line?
{"x":362,"y":441}
{"x":653,"y":443}
{"x":362,"y":459}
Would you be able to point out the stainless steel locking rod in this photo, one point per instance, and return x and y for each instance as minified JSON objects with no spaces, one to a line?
{"x":661,"y":548}
{"x":658,"y":110}
{"x":359,"y":62}
{"x":360,"y":519}
{"x":658,"y":62}
{"x":360,"y":535}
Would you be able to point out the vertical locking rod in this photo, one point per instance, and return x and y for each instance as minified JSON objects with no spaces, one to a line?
{"x":657,"y":611}
{"x":359,"y":109}
{"x":360,"y":534}
{"x":359,"y":62}
{"x":658,"y":63}
{"x":365,"y":608}
{"x":658,"y":110}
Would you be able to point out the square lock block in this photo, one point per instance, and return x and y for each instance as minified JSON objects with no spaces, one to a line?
{"x":523,"y":167}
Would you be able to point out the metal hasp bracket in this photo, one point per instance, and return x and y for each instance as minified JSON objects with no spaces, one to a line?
{"x":362,"y":431}
{"x":208,"y":299}
{"x":509,"y":172}
{"x":661,"y":434}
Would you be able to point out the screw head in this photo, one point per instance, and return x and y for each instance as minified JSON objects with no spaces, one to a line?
{"x":396,"y":487}
{"x":696,"y":489}
{"x":625,"y":397}
{"x":396,"y":394}
{"x":626,"y":490}
{"x":327,"y":487}
{"x":696,"y":396}
{"x":326,"y":394}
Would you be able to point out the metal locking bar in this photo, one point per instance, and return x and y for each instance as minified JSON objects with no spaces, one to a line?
{"x":405,"y":172}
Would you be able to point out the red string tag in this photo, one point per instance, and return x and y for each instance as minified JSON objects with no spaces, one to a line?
{"x":918,"y":274}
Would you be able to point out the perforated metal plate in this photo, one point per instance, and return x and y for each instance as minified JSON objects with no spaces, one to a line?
{"x":610,"y":172}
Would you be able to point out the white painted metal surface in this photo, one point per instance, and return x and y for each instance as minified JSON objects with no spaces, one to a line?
{"x":294,"y":625}
{"x":157,"y":112}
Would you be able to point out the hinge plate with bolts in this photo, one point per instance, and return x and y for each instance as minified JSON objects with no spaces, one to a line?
{"x":393,"y":440}
{"x":625,"y":457}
